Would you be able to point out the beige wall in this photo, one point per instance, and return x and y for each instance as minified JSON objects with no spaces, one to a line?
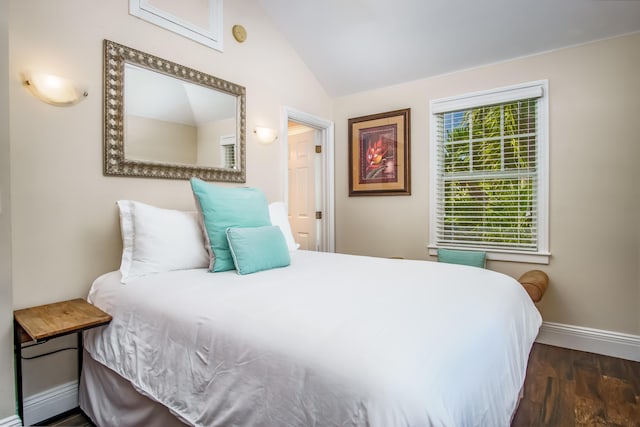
{"x":7,"y":406}
{"x":65,"y":228}
{"x":594,"y":175}
{"x":160,"y":141}
{"x":209,"y":135}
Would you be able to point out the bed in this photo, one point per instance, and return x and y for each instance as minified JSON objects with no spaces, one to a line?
{"x":331,"y":340}
{"x":327,"y":340}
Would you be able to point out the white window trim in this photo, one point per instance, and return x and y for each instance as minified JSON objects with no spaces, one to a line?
{"x":538,"y":89}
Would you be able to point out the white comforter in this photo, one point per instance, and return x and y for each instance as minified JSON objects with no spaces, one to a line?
{"x":332,"y":340}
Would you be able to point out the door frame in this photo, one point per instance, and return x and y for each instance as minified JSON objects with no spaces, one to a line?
{"x":325,"y":132}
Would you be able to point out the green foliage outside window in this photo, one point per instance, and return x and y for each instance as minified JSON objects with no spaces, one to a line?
{"x":489,"y":170}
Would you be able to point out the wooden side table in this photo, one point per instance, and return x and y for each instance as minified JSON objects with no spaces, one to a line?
{"x":49,"y":321}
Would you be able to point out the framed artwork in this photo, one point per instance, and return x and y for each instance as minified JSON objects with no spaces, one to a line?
{"x":199,"y":20}
{"x":379,"y":154}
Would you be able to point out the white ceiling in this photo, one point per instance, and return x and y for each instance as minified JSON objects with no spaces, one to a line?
{"x":357,"y":45}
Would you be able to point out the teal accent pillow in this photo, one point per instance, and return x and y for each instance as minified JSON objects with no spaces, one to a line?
{"x":258,"y":248}
{"x":472,"y":258}
{"x":224,"y":207}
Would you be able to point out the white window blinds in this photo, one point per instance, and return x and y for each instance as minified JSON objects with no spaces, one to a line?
{"x":487,"y":171}
{"x":228,"y":151}
{"x":229,"y":155}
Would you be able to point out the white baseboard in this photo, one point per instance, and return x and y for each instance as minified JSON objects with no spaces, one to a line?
{"x":50,"y":403}
{"x":616,"y":344}
{"x":12,"y":421}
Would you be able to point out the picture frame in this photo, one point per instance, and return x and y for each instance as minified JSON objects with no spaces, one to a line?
{"x":198,"y":20}
{"x":379,"y":154}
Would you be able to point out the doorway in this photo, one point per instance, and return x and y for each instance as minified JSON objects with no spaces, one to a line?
{"x":308,"y":179}
{"x":304,"y":184}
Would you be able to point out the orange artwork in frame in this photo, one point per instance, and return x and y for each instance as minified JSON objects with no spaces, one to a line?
{"x":379,"y":154}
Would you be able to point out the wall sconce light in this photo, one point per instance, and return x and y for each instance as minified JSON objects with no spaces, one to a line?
{"x":52,"y":89}
{"x":265,"y":135}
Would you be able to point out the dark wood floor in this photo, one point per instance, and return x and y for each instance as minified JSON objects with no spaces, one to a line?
{"x":74,"y":418}
{"x":573,"y":388}
{"x":563,"y":388}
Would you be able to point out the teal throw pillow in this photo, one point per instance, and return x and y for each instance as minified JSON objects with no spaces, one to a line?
{"x":258,"y":248}
{"x":224,"y":207}
{"x":472,"y":258}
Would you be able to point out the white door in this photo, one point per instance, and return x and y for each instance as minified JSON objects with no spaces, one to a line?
{"x":302,"y":188}
{"x":295,"y":121}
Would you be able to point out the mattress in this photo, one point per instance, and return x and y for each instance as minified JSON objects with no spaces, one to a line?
{"x":331,"y":340}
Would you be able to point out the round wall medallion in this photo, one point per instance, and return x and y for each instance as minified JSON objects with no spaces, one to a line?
{"x":239,"y":33}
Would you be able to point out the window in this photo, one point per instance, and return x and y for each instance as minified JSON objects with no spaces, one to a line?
{"x":489,"y":173}
{"x":228,"y":151}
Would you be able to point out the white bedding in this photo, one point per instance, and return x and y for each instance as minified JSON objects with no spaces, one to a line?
{"x":331,"y":340}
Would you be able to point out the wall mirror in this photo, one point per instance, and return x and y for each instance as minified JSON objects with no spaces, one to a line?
{"x":164,"y":120}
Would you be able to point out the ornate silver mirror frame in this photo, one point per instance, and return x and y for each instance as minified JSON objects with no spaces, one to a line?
{"x":116,"y":163}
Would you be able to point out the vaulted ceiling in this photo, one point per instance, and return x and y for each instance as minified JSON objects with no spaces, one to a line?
{"x":358,"y":45}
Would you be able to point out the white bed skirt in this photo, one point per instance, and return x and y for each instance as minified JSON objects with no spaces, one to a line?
{"x":120,"y":404}
{"x":110,"y":400}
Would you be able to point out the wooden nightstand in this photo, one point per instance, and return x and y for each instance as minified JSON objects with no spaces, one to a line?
{"x":45,"y":322}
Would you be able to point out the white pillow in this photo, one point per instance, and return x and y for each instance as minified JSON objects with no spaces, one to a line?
{"x":155,"y":240}
{"x":280,"y":217}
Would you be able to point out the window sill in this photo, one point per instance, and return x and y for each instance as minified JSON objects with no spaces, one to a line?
{"x":493,"y":255}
